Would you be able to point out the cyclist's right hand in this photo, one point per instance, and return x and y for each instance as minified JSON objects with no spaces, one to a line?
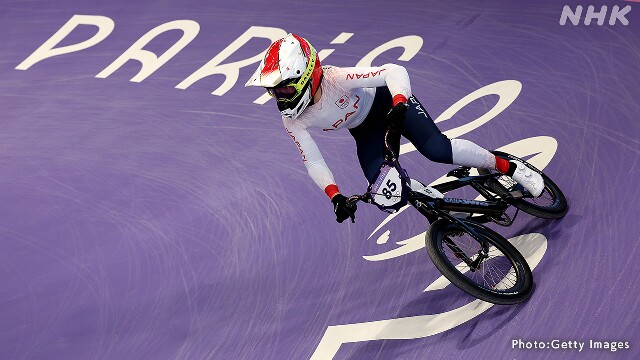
{"x":342,"y":209}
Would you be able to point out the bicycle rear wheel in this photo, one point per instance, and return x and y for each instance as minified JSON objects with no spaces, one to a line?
{"x":551,"y":204}
{"x":503,"y":277}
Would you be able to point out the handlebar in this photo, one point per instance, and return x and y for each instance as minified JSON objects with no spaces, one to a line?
{"x":353,"y":199}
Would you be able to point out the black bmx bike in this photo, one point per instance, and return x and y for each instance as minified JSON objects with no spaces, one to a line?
{"x":470,"y":255}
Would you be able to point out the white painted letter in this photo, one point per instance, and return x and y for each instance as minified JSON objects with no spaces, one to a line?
{"x":231,"y":71}
{"x":151,"y":62}
{"x":411,"y":45}
{"x":105,"y":27}
{"x":533,"y":246}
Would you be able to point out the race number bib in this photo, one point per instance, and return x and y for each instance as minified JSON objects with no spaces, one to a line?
{"x":389,"y":190}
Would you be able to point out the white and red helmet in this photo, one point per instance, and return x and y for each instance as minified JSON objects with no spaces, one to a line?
{"x":291,"y":73}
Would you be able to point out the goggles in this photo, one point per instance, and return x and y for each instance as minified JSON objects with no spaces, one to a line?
{"x":286,"y":92}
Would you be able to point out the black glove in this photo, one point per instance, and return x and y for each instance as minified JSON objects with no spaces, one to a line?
{"x":342,"y":209}
{"x":395,"y":121}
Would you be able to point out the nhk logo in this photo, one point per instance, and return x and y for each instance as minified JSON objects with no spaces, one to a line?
{"x":616,"y":15}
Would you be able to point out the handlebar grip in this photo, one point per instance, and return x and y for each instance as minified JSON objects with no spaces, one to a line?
{"x":351,"y":201}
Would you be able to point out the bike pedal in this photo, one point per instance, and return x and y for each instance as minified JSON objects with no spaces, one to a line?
{"x":459,"y":172}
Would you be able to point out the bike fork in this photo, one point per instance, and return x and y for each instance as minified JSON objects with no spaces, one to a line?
{"x":482,"y":255}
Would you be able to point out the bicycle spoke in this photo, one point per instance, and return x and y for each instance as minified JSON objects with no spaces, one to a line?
{"x":502,"y":285}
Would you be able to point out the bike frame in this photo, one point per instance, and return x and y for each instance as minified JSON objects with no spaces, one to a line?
{"x":434,"y":208}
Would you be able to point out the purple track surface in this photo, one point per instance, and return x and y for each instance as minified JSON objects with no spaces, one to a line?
{"x":143,"y":221}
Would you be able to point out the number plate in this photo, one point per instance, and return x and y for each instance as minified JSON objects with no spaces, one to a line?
{"x":388,"y":189}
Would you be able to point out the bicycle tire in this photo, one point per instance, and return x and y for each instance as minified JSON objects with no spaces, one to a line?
{"x":518,"y":292}
{"x":556,"y":210}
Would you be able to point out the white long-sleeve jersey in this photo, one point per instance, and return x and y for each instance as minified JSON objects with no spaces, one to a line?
{"x":347,"y":96}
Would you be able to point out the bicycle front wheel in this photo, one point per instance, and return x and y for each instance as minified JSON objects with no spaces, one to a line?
{"x":501,"y":277}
